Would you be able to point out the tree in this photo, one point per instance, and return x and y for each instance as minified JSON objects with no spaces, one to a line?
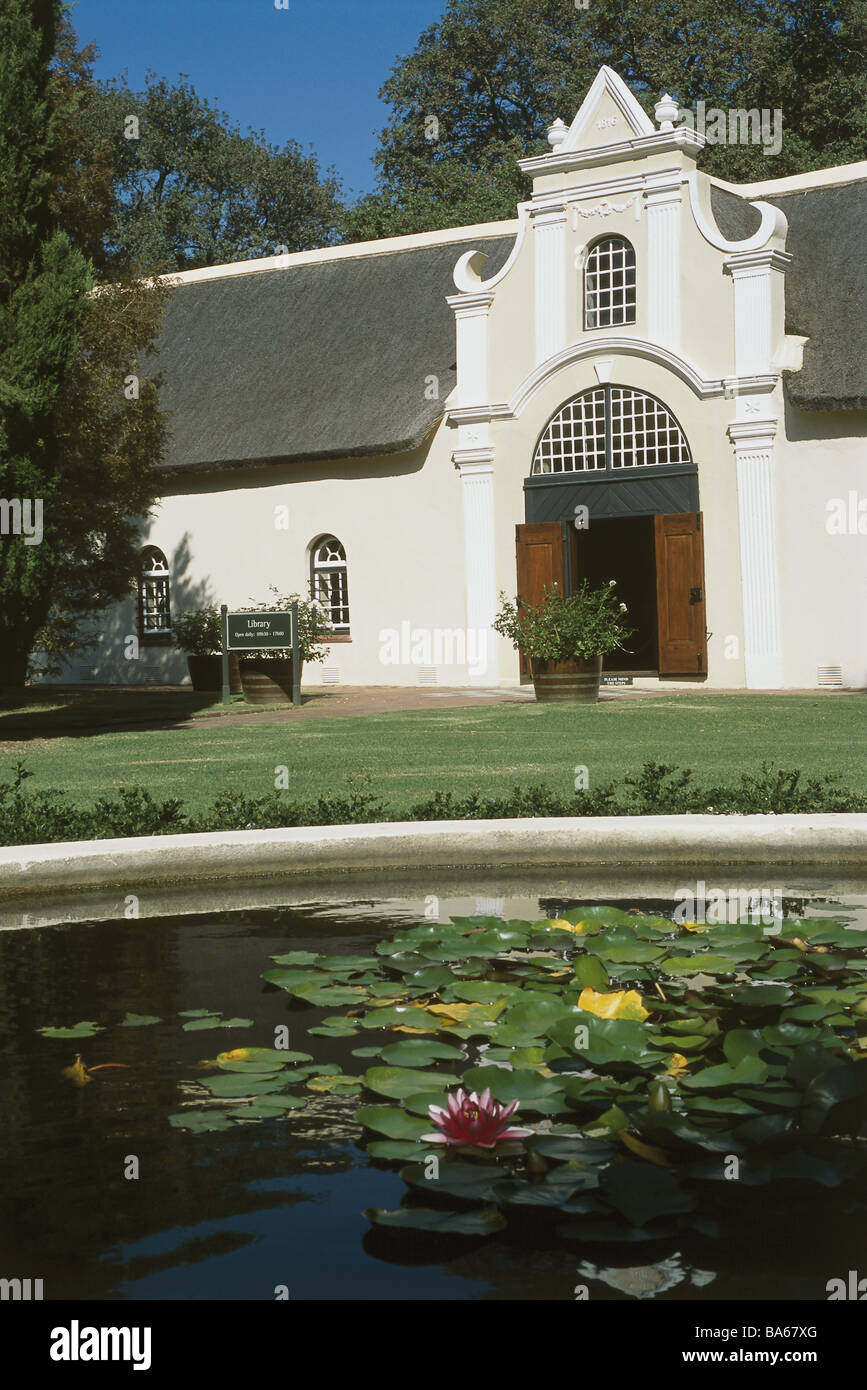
{"x":190,"y":190}
{"x":109,"y":428}
{"x":44,"y":281}
{"x":487,"y":79}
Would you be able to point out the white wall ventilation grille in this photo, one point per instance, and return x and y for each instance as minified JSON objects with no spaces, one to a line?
{"x":427,"y":675}
{"x":330,"y":675}
{"x":829,"y":675}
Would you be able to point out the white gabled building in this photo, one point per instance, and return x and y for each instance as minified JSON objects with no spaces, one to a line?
{"x":676,"y":364}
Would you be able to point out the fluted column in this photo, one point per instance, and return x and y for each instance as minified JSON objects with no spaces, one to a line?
{"x":549,"y":239}
{"x":662,"y":200}
{"x":754,"y":451}
{"x":477,"y":485}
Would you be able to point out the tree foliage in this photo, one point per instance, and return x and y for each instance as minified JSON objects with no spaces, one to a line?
{"x":44,"y":281}
{"x":109,"y":428}
{"x":191,"y":190}
{"x":495,"y":73}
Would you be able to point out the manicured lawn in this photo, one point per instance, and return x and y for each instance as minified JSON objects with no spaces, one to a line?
{"x":409,"y":755}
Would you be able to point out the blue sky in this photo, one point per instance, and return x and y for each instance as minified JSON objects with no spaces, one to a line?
{"x":310,"y":73}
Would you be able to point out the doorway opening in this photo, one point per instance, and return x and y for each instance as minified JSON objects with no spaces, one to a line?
{"x":624,"y":549}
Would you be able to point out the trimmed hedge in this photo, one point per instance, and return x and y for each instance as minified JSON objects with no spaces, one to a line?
{"x":46,"y":817}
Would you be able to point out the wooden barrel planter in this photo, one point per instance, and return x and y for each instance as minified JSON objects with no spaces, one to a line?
{"x":206,"y":673}
{"x":575,"y":681}
{"x":267,"y":680}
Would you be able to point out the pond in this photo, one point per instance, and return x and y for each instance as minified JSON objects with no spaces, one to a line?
{"x":159,"y":1141}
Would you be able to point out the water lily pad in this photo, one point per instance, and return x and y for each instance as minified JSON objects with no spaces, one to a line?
{"x":393,"y":1149}
{"x":750,"y":1070}
{"x":334,"y":1085}
{"x":392,"y":1122}
{"x":400,"y":1082}
{"x":642,"y":1192}
{"x":200,"y":1121}
{"x":76,"y":1030}
{"x":334,"y":1030}
{"x":418,"y":1052}
{"x":266,"y":1107}
{"x":443,"y":1223}
{"x":470,"y":1181}
{"x":232,"y":1086}
{"x":296,"y":958}
{"x":199,"y":1013}
{"x":398,"y":1016}
{"x":291,"y":979}
{"x":524,"y":1085}
{"x":139,"y":1020}
{"x":320,"y":995}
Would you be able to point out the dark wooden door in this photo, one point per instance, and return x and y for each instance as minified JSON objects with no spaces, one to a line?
{"x":546,"y":554}
{"x":680,"y":594}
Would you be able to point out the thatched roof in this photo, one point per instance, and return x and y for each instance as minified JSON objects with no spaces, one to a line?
{"x":324,"y":360}
{"x":826,"y":287}
{"x":330,"y":359}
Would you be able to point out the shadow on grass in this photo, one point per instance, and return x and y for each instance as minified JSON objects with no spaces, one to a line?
{"x":58,"y":712}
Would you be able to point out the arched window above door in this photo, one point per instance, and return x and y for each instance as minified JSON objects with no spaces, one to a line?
{"x":610,"y":428}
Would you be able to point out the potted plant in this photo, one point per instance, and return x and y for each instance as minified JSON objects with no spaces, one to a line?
{"x":198,"y":633}
{"x":266,"y":675}
{"x":565,"y":638}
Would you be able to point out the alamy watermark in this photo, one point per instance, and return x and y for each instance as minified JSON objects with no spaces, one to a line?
{"x":22,"y":516}
{"x":438,"y":646}
{"x":736,"y":126}
{"x":761,"y":906}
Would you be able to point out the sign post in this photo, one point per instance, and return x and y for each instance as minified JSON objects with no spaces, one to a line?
{"x":246,"y":632}
{"x":225,"y":645}
{"x":296,"y":664}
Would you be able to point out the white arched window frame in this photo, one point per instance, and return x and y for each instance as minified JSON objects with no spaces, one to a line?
{"x":155,"y":613}
{"x":329,"y":581}
{"x":609,"y":283}
{"x":608,"y":429}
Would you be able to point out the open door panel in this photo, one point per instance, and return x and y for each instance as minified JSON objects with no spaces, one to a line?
{"x":546,"y":554}
{"x":680,"y":594}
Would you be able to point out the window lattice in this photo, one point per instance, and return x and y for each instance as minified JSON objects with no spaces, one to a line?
{"x":611,"y":427}
{"x":329,"y":581}
{"x":156,"y":617}
{"x":575,"y":438}
{"x":643,"y":432}
{"x":609,"y":284}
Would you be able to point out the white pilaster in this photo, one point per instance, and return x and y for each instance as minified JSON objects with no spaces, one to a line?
{"x":758,"y":307}
{"x":663,"y":200}
{"x":477,"y":486}
{"x":471,"y":328}
{"x":754,"y":450}
{"x":549,"y":239}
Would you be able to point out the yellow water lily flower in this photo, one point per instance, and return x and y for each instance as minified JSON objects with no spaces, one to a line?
{"x":677,"y":1065}
{"x":623,"y":1003}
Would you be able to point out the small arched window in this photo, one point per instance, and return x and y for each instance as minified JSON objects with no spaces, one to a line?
{"x":329,"y":584}
{"x":609,"y":283}
{"x":155,"y":614}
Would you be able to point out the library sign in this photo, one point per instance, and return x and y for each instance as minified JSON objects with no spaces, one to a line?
{"x":258,"y":631}
{"x":261,"y":632}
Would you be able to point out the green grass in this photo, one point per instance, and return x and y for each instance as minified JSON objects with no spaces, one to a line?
{"x":409,"y":755}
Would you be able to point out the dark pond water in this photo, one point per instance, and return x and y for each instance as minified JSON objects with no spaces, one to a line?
{"x":235,"y":1214}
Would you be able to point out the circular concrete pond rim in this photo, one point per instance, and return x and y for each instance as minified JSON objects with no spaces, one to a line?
{"x":675,"y":842}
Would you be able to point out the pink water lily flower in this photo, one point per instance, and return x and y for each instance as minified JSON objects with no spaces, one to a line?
{"x":473,"y":1119}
